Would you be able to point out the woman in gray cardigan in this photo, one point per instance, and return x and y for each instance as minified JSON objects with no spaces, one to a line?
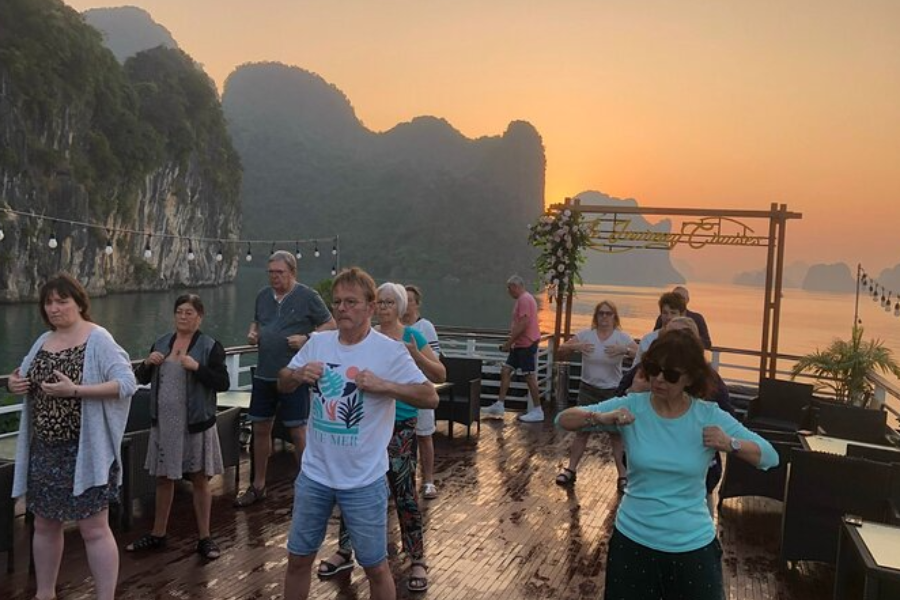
{"x":78,"y":385}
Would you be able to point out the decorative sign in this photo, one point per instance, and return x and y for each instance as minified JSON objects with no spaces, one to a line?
{"x":615,"y":235}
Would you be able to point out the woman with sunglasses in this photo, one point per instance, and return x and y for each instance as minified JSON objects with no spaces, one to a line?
{"x":603,"y":347}
{"x":391,"y":305}
{"x":664,"y":543}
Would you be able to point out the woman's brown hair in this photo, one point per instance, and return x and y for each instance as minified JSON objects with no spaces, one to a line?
{"x":680,"y":349}
{"x":65,"y":286}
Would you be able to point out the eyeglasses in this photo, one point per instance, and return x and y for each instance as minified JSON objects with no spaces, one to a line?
{"x":605,"y":313}
{"x":670,"y":375}
{"x":385,"y":303}
{"x":276,"y":271}
{"x":349,"y":303}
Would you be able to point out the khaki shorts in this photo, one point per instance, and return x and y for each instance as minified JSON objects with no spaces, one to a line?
{"x":589,"y":394}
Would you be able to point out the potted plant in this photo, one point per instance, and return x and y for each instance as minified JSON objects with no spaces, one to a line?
{"x":843,"y":366}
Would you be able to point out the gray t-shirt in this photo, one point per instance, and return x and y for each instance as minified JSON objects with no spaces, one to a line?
{"x":299,"y":312}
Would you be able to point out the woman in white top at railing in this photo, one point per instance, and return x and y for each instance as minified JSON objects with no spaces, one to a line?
{"x":425,"y":423}
{"x":603,"y":348}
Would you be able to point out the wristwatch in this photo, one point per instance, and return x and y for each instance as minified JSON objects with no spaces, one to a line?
{"x":735,"y":444}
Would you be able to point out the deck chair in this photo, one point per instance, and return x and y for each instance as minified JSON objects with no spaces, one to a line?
{"x":822,"y":488}
{"x":743,"y":479}
{"x":781,"y":405}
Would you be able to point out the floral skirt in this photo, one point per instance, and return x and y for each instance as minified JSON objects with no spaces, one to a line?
{"x":51,"y":479}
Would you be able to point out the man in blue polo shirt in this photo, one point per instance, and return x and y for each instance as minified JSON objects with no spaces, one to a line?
{"x":287,"y":312}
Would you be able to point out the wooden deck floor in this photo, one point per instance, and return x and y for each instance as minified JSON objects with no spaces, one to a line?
{"x":500,"y":529}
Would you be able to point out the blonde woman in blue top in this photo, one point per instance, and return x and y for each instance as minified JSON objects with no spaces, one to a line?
{"x":664,"y":544}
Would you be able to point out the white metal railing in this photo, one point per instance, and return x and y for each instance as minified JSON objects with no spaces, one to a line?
{"x":737,"y":367}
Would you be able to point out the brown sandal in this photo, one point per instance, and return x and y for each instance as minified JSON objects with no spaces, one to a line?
{"x":418,"y":584}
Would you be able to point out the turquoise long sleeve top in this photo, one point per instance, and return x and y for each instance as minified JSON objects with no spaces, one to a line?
{"x":664,"y":507}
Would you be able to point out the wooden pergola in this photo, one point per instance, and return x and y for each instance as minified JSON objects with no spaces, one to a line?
{"x":612,"y":233}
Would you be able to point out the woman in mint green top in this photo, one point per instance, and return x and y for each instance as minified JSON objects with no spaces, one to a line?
{"x":664,"y":544}
{"x":401,"y":450}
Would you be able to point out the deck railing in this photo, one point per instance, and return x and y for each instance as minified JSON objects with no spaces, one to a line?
{"x":738,"y":367}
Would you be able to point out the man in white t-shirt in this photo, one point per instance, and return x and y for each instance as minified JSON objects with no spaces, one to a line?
{"x":355,"y":374}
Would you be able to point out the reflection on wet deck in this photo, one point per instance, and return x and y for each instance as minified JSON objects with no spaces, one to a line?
{"x":500,"y":529}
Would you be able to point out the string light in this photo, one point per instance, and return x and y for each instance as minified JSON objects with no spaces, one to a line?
{"x":316,"y":252}
{"x":333,"y":271}
{"x":191,"y":255}
{"x":272,"y":249}
{"x":109,"y":248}
{"x":249,"y":256}
{"x":880,"y":293}
{"x":297,"y":252}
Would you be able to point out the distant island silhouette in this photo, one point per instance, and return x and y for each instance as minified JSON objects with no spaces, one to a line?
{"x":417,"y":201}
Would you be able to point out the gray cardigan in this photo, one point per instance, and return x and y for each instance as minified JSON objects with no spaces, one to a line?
{"x":102,"y":421}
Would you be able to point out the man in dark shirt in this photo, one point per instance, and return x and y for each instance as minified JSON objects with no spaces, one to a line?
{"x":287,"y":312}
{"x":695,"y":316}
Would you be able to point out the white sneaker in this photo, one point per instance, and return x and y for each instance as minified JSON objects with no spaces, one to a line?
{"x":535,"y":415}
{"x":494,"y":410}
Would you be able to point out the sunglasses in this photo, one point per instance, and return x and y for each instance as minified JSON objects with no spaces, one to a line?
{"x":670,"y":375}
{"x":605,"y":313}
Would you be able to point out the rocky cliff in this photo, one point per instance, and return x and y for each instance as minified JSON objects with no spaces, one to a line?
{"x":135,"y":150}
{"x":420,"y":200}
{"x":128,"y":30}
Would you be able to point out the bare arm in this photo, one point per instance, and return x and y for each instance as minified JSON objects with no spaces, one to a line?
{"x":290,"y":379}
{"x":253,"y":334}
{"x":428,"y":362}
{"x":64,"y":387}
{"x":419,"y":395}
{"x":576,"y":419}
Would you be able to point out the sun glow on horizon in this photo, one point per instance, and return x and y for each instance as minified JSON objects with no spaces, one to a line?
{"x":672,"y":104}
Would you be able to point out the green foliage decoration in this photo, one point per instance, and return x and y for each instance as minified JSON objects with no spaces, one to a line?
{"x":562,"y":238}
{"x":842,"y":368}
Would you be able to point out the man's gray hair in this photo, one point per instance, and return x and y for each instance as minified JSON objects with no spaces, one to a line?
{"x":399,"y":294}
{"x":516,"y":281}
{"x":285,"y":257}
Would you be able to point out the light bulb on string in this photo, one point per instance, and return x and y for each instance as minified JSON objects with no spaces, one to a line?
{"x":2,"y":235}
{"x":249,"y":256}
{"x":219,"y":257}
{"x":109,"y":247}
{"x":316,"y":252}
{"x":272,"y":249}
{"x":297,"y":252}
{"x":53,"y":243}
{"x":334,"y":248}
{"x":191,"y":255}
{"x":333,"y":271}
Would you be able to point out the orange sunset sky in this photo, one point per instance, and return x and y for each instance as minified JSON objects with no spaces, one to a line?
{"x":673,"y":103}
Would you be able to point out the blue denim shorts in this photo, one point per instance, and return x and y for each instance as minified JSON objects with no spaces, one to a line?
{"x":523,"y":359}
{"x":265,"y":401}
{"x":365,"y":514}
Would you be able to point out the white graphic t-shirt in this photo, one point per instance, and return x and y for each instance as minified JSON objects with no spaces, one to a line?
{"x":349,"y":430}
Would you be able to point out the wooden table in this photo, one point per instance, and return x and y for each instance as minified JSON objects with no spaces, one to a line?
{"x":832,"y":445}
{"x":230,"y":399}
{"x":868,"y":564}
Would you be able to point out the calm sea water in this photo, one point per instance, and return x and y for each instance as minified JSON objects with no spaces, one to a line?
{"x":734,"y":314}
